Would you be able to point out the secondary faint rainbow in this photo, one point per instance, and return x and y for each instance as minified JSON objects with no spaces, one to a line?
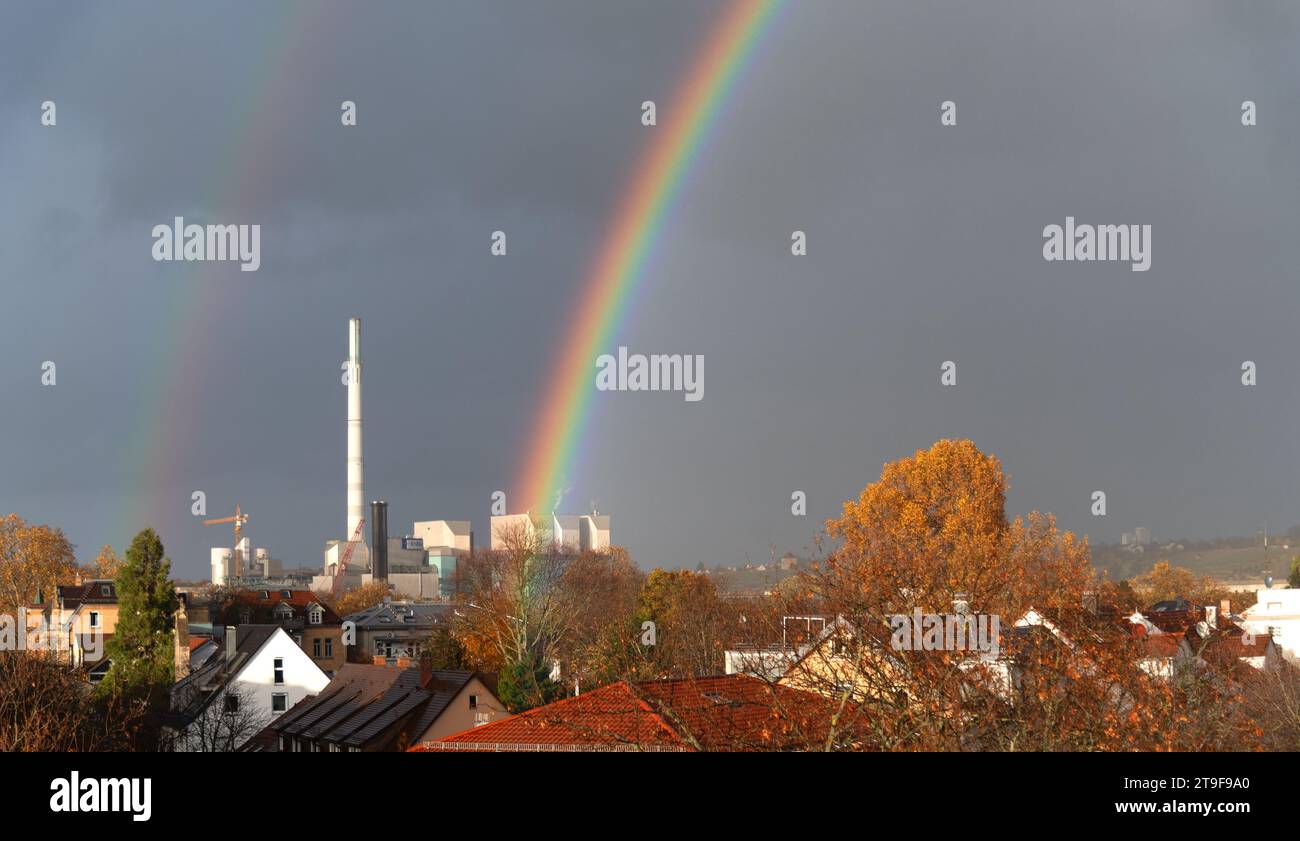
{"x":684,"y":124}
{"x":198,"y":313}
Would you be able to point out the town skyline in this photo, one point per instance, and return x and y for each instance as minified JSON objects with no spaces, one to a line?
{"x":923,"y":246}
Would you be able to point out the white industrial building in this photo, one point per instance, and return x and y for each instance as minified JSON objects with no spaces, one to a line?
{"x":255,"y":563}
{"x":584,"y":532}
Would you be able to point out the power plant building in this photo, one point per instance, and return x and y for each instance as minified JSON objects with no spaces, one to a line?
{"x":581,"y":533}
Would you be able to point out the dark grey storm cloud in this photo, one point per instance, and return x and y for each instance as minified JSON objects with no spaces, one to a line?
{"x":924,"y":246}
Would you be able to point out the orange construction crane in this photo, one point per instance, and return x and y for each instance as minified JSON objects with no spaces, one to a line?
{"x":239,"y":519}
{"x":347,"y":555}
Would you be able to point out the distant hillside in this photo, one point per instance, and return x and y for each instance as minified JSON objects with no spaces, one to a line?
{"x":1229,"y":559}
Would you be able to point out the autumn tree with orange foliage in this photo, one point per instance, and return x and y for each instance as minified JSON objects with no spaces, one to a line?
{"x":107,"y":563}
{"x":351,"y":601}
{"x":1165,"y":581}
{"x":33,"y":560}
{"x":932,"y":535}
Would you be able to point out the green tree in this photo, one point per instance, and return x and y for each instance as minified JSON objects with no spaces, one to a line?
{"x":142,"y":644}
{"x":525,"y":684}
{"x":1293,"y":580}
{"x":445,"y":651}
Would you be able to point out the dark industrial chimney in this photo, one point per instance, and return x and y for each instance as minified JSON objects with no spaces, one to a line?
{"x":379,"y":539}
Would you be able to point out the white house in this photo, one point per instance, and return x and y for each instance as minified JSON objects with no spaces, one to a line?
{"x":1276,"y":612}
{"x":259,"y":674}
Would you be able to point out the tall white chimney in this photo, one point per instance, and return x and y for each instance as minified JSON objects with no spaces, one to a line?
{"x":356,"y":472}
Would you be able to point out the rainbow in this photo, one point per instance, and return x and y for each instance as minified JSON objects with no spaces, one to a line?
{"x":627,"y":247}
{"x":197,"y":306}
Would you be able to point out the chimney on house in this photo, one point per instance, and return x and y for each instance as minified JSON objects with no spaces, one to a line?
{"x":1225,"y":608}
{"x":426,"y":670}
{"x":1211,"y":617}
{"x":231,"y":639}
{"x":960,"y":605}
{"x":182,"y":652}
{"x":1090,"y":601}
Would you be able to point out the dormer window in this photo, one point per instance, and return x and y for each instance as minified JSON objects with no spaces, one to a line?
{"x":285,"y":594}
{"x":105,"y":590}
{"x":315,"y":614}
{"x":265,"y":594}
{"x":283,"y":611}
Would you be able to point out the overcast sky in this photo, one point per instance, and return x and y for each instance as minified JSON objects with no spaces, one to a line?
{"x":925,"y":245}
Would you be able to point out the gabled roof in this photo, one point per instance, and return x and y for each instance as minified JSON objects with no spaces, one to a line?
{"x":725,"y":712}
{"x":370,"y":707}
{"x":72,"y":596}
{"x":192,"y":693}
{"x":402,"y":615}
{"x":262,"y":604}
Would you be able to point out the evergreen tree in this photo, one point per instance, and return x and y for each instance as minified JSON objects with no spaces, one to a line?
{"x":142,"y":645}
{"x":446,"y":652}
{"x":1293,"y":580}
{"x":525,"y":684}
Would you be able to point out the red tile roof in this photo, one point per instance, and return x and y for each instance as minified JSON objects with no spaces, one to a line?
{"x":728,"y":712}
{"x":1161,"y":645}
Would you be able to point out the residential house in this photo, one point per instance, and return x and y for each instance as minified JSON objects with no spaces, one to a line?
{"x":260,"y":673}
{"x":316,"y":628}
{"x":384,"y":708}
{"x":1276,"y":613}
{"x":769,"y":654}
{"x":393,"y":630}
{"x":720,"y":713}
{"x":83,"y":617}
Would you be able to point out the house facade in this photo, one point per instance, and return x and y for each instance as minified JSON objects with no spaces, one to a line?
{"x":391,"y":631}
{"x":258,"y":675}
{"x":83,"y":617}
{"x":316,"y":628}
{"x":1276,"y":613}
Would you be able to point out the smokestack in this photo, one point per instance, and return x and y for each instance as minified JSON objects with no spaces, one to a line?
{"x":356,"y":472}
{"x":379,"y":539}
{"x":231,"y":642}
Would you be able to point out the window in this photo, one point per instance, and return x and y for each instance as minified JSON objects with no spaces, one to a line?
{"x":384,"y":648}
{"x":105,"y":590}
{"x":94,"y":619}
{"x":279,"y":671}
{"x":279,"y":702}
{"x":314,"y":615}
{"x":473,"y":702}
{"x":329,"y":647}
{"x":232,"y":703}
{"x":315,"y":647}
